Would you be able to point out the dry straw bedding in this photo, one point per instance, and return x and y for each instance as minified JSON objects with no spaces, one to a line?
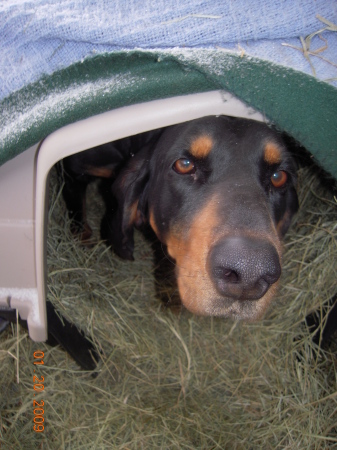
{"x":173,"y":380}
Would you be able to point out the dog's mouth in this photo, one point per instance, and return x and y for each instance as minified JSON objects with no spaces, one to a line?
{"x":200,"y":297}
{"x":244,"y":309}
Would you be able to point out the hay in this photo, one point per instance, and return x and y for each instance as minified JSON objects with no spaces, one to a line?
{"x":177,"y":381}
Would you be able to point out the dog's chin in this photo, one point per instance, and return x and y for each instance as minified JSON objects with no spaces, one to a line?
{"x":216,"y":306}
{"x":247,"y":310}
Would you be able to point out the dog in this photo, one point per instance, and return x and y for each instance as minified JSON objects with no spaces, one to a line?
{"x":219,"y":192}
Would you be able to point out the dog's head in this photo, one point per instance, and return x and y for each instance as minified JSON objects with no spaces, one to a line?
{"x":219,"y":193}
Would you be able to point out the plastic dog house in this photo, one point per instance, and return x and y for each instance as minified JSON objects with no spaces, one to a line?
{"x":23,"y":183}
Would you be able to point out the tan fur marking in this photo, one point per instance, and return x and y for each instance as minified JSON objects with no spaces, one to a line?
{"x":190,"y":250}
{"x":201,"y":146}
{"x":284,"y":221}
{"x":133,"y":213}
{"x":272,"y":154}
{"x":153,"y":224}
{"x":102,"y":172}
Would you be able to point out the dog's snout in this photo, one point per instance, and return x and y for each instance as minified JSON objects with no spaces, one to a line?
{"x":244,"y":268}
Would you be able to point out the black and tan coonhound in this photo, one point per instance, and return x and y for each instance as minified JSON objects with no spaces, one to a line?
{"x":218,"y":191}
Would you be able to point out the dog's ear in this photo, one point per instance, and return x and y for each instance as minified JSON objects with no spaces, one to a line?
{"x":130,"y":195}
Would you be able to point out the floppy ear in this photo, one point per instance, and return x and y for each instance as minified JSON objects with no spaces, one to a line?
{"x":130,"y":194}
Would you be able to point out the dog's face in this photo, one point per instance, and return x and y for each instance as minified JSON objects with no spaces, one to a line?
{"x":219,"y":193}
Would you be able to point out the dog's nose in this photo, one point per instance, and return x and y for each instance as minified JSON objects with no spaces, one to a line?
{"x":244,"y":268}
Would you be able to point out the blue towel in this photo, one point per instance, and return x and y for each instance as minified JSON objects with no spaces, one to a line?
{"x":39,"y":37}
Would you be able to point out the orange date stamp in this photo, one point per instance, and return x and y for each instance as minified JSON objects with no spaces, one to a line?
{"x":38,"y":387}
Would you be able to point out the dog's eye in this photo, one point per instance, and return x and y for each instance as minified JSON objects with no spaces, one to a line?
{"x":279,"y":179}
{"x":184,"y":166}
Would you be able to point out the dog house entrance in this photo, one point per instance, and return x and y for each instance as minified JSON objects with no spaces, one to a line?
{"x":28,"y":294}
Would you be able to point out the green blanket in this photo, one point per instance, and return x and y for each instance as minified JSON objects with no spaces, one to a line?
{"x":297,"y":103}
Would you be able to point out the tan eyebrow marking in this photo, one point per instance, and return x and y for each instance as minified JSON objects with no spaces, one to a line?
{"x":272,"y":153}
{"x":201,"y":146}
